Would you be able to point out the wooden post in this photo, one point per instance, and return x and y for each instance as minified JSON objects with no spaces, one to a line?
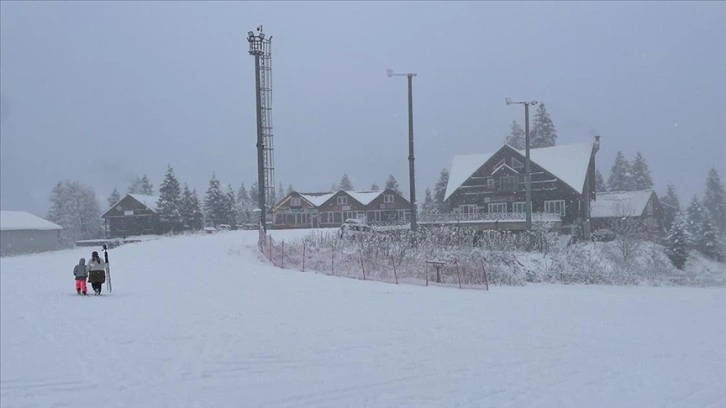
{"x":362,"y":266}
{"x":458,"y":275}
{"x":270,"y":250}
{"x":303,"y":263}
{"x":426,"y":272}
{"x":393,"y":261}
{"x":332,"y":261}
{"x":282,"y":260}
{"x":484,"y":272}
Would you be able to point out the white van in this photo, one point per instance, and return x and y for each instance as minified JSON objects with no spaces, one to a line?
{"x":354,"y":226}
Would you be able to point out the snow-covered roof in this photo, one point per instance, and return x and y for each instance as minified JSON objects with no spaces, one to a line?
{"x":462,"y":168}
{"x":317,"y":199}
{"x":149,"y":201}
{"x":568,"y":162}
{"x":620,"y":203}
{"x":21,"y":220}
{"x":365,"y":197}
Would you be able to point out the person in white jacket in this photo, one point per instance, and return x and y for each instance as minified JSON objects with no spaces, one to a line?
{"x":97,"y":272}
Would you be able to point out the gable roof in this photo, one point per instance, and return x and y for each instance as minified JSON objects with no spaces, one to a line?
{"x":151,"y":202}
{"x":21,"y":220}
{"x":620,"y":203}
{"x":316,"y":199}
{"x":568,"y":163}
{"x":365,"y":197}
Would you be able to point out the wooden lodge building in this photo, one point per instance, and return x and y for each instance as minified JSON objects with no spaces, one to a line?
{"x":331,"y":209}
{"x":134,"y":214}
{"x":493,"y":185}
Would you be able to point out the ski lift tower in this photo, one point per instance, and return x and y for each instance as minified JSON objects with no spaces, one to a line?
{"x":260,"y":48}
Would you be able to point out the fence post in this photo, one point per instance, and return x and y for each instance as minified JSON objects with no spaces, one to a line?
{"x":303,"y":263}
{"x":282,"y":259}
{"x":458,"y":275}
{"x":332,"y":261}
{"x":362,"y":266}
{"x":270,"y":251}
{"x":486,"y":278}
{"x":393,"y":261}
{"x":426,"y":272}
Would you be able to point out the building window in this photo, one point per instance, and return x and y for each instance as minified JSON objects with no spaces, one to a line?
{"x":555,"y":207}
{"x":490,"y":183}
{"x":517,"y":164}
{"x":467,"y":209}
{"x":508,"y":182}
{"x":519,"y":206}
{"x":342,"y":200}
{"x":388,"y":198}
{"x":295,"y":202}
{"x":337,"y":217}
{"x":498,"y":207}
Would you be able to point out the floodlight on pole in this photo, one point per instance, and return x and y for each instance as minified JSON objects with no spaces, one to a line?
{"x":411,"y":170}
{"x":527,"y":166}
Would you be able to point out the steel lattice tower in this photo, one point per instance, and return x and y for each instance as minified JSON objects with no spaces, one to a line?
{"x":261,"y":47}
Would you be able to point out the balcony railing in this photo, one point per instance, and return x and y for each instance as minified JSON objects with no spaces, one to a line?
{"x":481,"y":217}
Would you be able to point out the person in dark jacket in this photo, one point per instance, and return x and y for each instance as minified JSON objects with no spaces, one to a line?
{"x":97,"y":272}
{"x":80,"y":273}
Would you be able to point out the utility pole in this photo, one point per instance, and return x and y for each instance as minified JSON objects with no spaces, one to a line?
{"x":411,"y":168}
{"x":527,"y":168}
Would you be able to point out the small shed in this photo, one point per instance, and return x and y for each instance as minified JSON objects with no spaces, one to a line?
{"x":134,"y":214}
{"x":643,"y":205}
{"x":22,"y":232}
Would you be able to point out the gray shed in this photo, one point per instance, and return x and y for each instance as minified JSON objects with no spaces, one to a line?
{"x":22,"y":232}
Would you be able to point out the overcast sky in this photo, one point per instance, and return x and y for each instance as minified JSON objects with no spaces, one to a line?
{"x":100,"y":92}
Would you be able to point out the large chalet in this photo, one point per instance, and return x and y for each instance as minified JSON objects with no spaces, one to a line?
{"x":331,"y":209}
{"x":492,"y":186}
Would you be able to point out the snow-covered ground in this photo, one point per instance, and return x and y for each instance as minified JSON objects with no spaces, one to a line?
{"x":200,"y":321}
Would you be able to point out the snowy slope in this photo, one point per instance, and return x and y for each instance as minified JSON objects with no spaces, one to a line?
{"x":199,"y":321}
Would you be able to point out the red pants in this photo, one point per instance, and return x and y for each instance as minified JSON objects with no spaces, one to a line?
{"x":81,"y":284}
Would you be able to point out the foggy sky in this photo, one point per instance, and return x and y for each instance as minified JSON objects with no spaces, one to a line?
{"x":102,"y":92}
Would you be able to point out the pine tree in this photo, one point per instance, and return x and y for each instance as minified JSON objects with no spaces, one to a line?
{"x":543,"y":132}
{"x":197,"y":220}
{"x":641,"y":174}
{"x":214,"y":213}
{"x":345,"y":183}
{"x":694,"y":220}
{"x":186,"y":208}
{"x":620,"y":174}
{"x":714,"y":199}
{"x":440,"y":191}
{"x":254,"y":195}
{"x":671,"y":206}
{"x":279,"y":194}
{"x":707,"y":242}
{"x":516,"y":137}
{"x":428,"y":204}
{"x":392,"y":184}
{"x":229,"y":208}
{"x":243,"y":199}
{"x":170,"y":203}
{"x":141,"y":186}
{"x":74,"y":207}
{"x":114,"y":197}
{"x":374,"y":187}
{"x":290,"y":190}
{"x":678,"y":241}
{"x":599,"y":182}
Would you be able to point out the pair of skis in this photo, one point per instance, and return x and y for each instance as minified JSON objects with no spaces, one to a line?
{"x":108,"y":268}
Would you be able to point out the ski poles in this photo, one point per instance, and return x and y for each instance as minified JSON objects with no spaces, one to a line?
{"x":108,"y":268}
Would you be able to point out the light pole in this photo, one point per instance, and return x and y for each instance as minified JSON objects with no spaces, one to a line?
{"x":527,"y":169}
{"x":411,"y":172}
{"x":256,"y":49}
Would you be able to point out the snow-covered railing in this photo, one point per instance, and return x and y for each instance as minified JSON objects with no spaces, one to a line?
{"x":484,"y":217}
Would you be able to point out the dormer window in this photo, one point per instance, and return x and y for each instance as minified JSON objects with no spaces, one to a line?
{"x":388,"y":198}
{"x":342,"y":200}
